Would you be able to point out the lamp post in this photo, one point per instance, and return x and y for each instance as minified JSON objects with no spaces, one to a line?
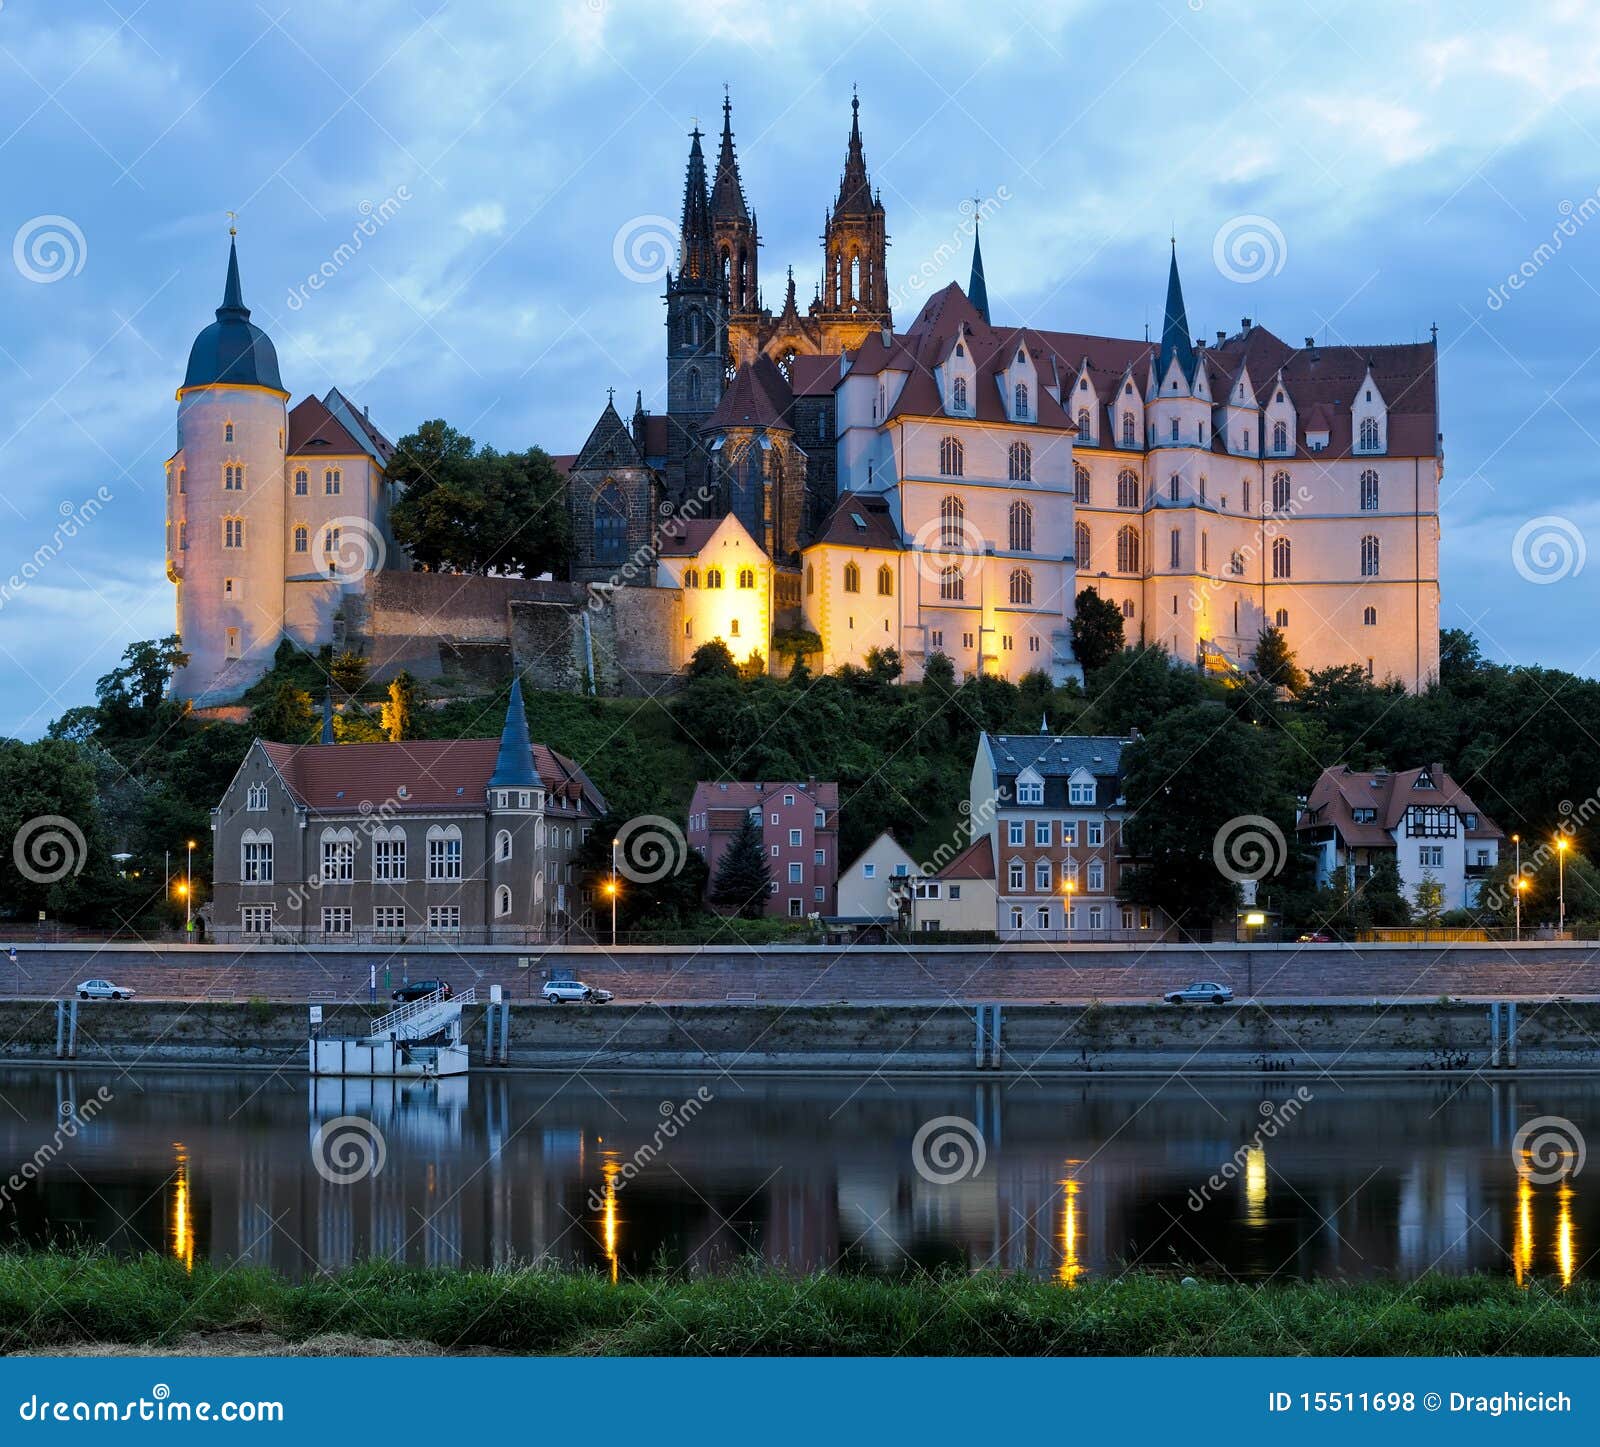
{"x":1521,"y":884}
{"x":1070,"y":887}
{"x":1561,"y":878}
{"x":188,"y":891}
{"x":611,"y":889}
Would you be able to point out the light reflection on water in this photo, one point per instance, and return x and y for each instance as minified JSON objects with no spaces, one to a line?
{"x":1391,"y":1177}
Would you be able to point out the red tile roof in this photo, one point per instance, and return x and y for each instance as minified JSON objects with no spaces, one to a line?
{"x":876,"y":528}
{"x":1339,"y":792}
{"x":740,"y":796}
{"x":758,"y":397}
{"x":686,"y":537}
{"x":313,"y":430}
{"x":976,"y":861}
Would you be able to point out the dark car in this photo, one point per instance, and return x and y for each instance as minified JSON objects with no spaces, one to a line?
{"x":418,"y":988}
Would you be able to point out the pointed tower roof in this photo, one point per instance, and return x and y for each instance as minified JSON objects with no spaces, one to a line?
{"x":610,"y":443}
{"x":1175,"y":342}
{"x":232,"y":351}
{"x":695,"y":253}
{"x":977,"y":291}
{"x":855,"y":190}
{"x":513,"y":765}
{"x":727,"y":191}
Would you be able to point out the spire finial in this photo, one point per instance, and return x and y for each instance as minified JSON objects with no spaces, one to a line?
{"x":233,"y":229}
{"x":611,"y":395}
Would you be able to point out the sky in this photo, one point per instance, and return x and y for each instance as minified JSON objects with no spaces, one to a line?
{"x":1354,"y":172}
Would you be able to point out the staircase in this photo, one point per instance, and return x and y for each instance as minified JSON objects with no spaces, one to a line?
{"x":418,"y":1019}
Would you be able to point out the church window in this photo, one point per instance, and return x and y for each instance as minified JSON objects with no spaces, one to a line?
{"x":1022,"y":587}
{"x":1019,"y":399}
{"x":1127,"y":429}
{"x":233,"y":477}
{"x":1369,"y":434}
{"x":1175,"y":544}
{"x":1172,"y":487}
{"x":1282,"y":559}
{"x":958,"y":393}
{"x":1080,"y":545}
{"x":233,"y":532}
{"x":694,"y":386}
{"x":1280,"y":492}
{"x":952,"y":522}
{"x":713,"y":577}
{"x":747,"y":577}
{"x":885,"y":581}
{"x":1127,"y":490}
{"x":1080,"y":484}
{"x":952,"y":457}
{"x":302,"y":538}
{"x":1369,"y":491}
{"x":1280,"y":437}
{"x":1019,"y":462}
{"x":1128,"y":550}
{"x":1084,"y":433}
{"x":952,"y":586}
{"x":302,"y":482}
{"x":1369,"y":556}
{"x":227,"y":432}
{"x":691,"y":327}
{"x":852,"y":578}
{"x":1021,"y":520}
{"x":610,"y":525}
{"x":332,"y":482}
{"x":1370,"y":618}
{"x":1280,"y":619}
{"x":691,"y":577}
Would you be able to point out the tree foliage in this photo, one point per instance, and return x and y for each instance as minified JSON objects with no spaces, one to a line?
{"x":743,"y":879}
{"x":1096,"y":630}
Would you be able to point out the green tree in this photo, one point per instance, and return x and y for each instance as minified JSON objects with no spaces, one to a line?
{"x":1096,"y":630}
{"x":884,"y":664}
{"x":712,"y":660}
{"x":348,"y":670}
{"x":57,"y":857}
{"x":1428,"y":897}
{"x":1274,"y":661}
{"x":285,"y":716}
{"x":743,"y":881}
{"x":399,"y":718}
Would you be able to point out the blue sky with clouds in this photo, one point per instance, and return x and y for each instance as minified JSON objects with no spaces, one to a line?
{"x":1411,"y":159}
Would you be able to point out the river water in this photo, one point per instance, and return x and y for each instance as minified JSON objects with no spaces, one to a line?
{"x":622,"y":1173}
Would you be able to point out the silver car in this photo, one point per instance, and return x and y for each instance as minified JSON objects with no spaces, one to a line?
{"x":103,"y":990}
{"x":1198,"y":992}
{"x":560,"y":992}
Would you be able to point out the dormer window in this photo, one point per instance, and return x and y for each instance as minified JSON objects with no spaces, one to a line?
{"x":958,"y":394}
{"x":1083,"y":384}
{"x":1030,"y":791}
{"x":1080,"y":790}
{"x":961,"y":351}
{"x":1020,"y":399}
{"x":1369,"y":433}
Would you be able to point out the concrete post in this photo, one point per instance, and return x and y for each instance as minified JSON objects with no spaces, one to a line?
{"x":1494,"y":1034}
{"x":1511,"y":1033}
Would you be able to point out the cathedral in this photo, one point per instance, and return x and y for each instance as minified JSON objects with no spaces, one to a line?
{"x":950,"y":488}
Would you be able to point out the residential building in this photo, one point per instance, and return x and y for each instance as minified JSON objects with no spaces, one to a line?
{"x":799,"y":831}
{"x":961,"y":896}
{"x":1420,"y":818}
{"x":455,"y":841}
{"x":1053,"y":810}
{"x":871,"y":889}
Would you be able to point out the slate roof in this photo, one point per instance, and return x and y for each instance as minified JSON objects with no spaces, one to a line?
{"x":1339,"y":792}
{"x":233,"y":351}
{"x":360,"y":425}
{"x":725,"y":802}
{"x":610,"y":444}
{"x":757,"y":397}
{"x":1056,"y":758}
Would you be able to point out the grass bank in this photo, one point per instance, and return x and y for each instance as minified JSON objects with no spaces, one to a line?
{"x":56,"y":1299}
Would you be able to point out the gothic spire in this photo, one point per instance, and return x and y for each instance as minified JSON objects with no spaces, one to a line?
{"x":1175,"y":341}
{"x":695,"y":256}
{"x":232,"y":293}
{"x":977,"y":291}
{"x":855,"y":191}
{"x":727,"y":191}
{"x":513,"y":765}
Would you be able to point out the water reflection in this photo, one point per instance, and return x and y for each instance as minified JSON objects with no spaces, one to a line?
{"x":1379,"y":1177}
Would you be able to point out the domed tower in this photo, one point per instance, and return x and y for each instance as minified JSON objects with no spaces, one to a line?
{"x":225,"y":503}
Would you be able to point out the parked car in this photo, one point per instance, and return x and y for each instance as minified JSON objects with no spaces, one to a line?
{"x":418,"y":988}
{"x":103,"y":990}
{"x":1314,"y":937}
{"x":561,"y":992}
{"x":1199,"y":992}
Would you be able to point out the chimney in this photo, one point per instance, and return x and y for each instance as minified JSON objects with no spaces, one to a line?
{"x":1311,"y":344}
{"x":1222,"y":337}
{"x":1244,"y":324}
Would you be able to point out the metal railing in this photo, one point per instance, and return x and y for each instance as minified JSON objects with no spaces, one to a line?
{"x":403,"y":1022}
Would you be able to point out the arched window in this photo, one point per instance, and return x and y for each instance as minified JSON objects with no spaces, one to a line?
{"x":1280,"y":492}
{"x":302,"y":538}
{"x":1021,"y":527}
{"x":302,"y":482}
{"x":1127,"y":607}
{"x":255,"y":856}
{"x":1280,"y":619}
{"x":183,"y":535}
{"x":233,"y":532}
{"x":1019,"y":463}
{"x":227,"y":432}
{"x":713,"y":577}
{"x":233,"y":478}
{"x":1369,"y":556}
{"x":1080,"y":546}
{"x":694,"y":386}
{"x":811,"y":579}
{"x":1128,"y":550}
{"x":502,"y":845}
{"x":952,"y":457}
{"x":1369,"y":434}
{"x":952,"y":522}
{"x":952,"y":585}
{"x":691,"y":577}
{"x":338,"y":856}
{"x":852,"y":578}
{"x":444,"y":852}
{"x":1019,"y":399}
{"x":502,"y":902}
{"x":1369,"y":491}
{"x":958,"y":394}
{"x":1370,"y":617}
{"x":1022,"y":587}
{"x":610,"y":525}
{"x":1280,"y":436}
{"x":1127,"y":429}
{"x":1127,"y":489}
{"x":747,"y":577}
{"x":332,"y":482}
{"x":1080,"y":484}
{"x":1282,"y":562}
{"x":1084,"y":432}
{"x":1236,"y":564}
{"x":885,"y":581}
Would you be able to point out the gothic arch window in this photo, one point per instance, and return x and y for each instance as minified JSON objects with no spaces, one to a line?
{"x":1019,"y":400}
{"x":852,"y":578}
{"x":713,"y":577}
{"x":1127,"y":429}
{"x":1021,"y":520}
{"x":302,"y":538}
{"x":227,"y":432}
{"x":610,"y":525}
{"x":1369,"y":556}
{"x":1127,"y":489}
{"x":1019,"y":462}
{"x":502,"y":845}
{"x":694,"y":386}
{"x":885,"y":581}
{"x":747,"y":577}
{"x":1370,"y":617}
{"x":952,"y":522}
{"x":1084,"y":432}
{"x":1280,"y":619}
{"x":786,"y":364}
{"x":855,"y":277}
{"x":1080,"y":545}
{"x":811,"y":579}
{"x":952,"y":457}
{"x":1022,"y":587}
{"x":1369,"y":434}
{"x":691,"y":327}
{"x":1280,"y":492}
{"x":1128,"y":550}
{"x":1080,"y":484}
{"x":691,"y":577}
{"x":1282,"y":559}
{"x":332,"y":481}
{"x":1369,"y":491}
{"x":233,"y":477}
{"x":1280,"y":437}
{"x":952,"y":585}
{"x":233,"y":532}
{"x":502,"y":902}
{"x":302,"y":482}
{"x":958,"y":394}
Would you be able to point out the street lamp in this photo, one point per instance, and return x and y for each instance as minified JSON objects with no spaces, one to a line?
{"x":188,"y":891}
{"x":1561,"y":875}
{"x":1069,"y":886}
{"x":611,"y":889}
{"x":1521,"y":884}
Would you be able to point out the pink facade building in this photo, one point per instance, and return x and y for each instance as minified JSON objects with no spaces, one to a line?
{"x":799,"y":831}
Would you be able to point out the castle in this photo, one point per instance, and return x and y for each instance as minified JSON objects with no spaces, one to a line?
{"x":949,"y":488}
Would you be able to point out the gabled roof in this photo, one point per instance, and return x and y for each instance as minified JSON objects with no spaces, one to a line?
{"x":359,"y":425}
{"x":1339,"y":792}
{"x":859,"y":520}
{"x":610,"y":444}
{"x":315,"y":431}
{"x":976,"y":861}
{"x":713,"y":797}
{"x":1056,"y":758}
{"x":758,"y":396}
{"x":686,"y":537}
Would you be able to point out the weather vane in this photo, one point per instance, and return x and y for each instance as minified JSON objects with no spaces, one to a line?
{"x":233,"y":230}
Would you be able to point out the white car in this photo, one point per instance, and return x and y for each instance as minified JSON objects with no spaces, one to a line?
{"x":560,"y":992}
{"x":1198,"y":992}
{"x":103,"y":990}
